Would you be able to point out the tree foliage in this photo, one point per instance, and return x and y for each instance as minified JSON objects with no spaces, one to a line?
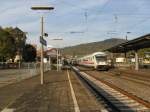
{"x":29,"y":53}
{"x":19,"y":37}
{"x":7,"y":44}
{"x":12,"y":40}
{"x":143,"y":51}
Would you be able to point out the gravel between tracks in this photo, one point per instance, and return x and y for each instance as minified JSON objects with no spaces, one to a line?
{"x":142,"y":91}
{"x":132,"y":87}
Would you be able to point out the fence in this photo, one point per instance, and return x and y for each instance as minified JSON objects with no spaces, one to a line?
{"x":25,"y":71}
{"x":132,"y":65}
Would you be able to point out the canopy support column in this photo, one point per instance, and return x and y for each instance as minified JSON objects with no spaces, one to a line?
{"x":136,"y":60}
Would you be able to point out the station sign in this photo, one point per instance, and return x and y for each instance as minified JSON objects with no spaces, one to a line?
{"x":42,"y":41}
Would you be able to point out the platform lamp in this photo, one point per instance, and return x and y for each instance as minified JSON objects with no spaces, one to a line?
{"x":42,"y":8}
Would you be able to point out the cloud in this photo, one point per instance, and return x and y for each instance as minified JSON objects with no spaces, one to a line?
{"x":94,"y":17}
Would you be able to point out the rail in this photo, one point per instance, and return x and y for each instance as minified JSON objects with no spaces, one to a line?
{"x":115,"y":97}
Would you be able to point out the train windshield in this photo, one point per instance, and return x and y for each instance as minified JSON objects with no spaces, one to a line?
{"x":100,"y":58}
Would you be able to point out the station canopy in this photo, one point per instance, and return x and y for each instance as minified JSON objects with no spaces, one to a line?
{"x":135,"y":44}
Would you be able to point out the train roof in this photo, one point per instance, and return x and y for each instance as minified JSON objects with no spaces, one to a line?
{"x":103,"y":53}
{"x":93,"y":54}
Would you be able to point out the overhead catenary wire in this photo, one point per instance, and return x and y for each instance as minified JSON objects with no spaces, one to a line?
{"x":85,"y":10}
{"x":133,"y":26}
{"x":86,"y":13}
{"x":139,"y":23}
{"x":81,"y":8}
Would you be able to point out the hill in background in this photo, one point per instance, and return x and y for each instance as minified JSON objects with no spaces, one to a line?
{"x":84,"y":49}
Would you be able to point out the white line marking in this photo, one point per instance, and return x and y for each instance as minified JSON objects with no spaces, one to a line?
{"x":76,"y":106}
{"x":104,"y":110}
{"x":8,"y":110}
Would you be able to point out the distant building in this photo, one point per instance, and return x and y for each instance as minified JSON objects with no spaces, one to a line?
{"x":147,"y":54}
{"x":17,"y":58}
{"x":120,"y":60}
{"x":50,"y":53}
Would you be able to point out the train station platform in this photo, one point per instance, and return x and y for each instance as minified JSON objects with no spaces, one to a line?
{"x":62,"y":92}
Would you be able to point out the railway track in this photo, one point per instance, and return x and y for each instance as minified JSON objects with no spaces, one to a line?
{"x":117,"y":99}
{"x":140,"y":74}
{"x":144,"y":80}
{"x":136,"y":79}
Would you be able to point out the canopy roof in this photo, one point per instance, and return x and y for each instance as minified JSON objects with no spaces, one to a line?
{"x":135,"y":44}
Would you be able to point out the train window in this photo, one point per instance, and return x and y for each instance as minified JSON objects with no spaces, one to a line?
{"x":101,"y":58}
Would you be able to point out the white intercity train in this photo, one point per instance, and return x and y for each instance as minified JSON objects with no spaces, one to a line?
{"x":97,"y":60}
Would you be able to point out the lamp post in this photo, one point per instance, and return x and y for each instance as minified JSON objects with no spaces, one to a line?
{"x":58,"y":53}
{"x":42,"y":8}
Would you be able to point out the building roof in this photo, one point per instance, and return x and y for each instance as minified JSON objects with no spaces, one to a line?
{"x":50,"y":52}
{"x":135,"y":44}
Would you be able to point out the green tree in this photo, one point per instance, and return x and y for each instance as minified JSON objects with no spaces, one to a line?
{"x":19,"y":37}
{"x":7,"y":45}
{"x":142,"y":51}
{"x":12,"y":42}
{"x":29,"y":53}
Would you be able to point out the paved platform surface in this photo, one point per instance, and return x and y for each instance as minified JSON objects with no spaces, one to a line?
{"x":87,"y":102}
{"x":9,"y":93}
{"x":54,"y":96}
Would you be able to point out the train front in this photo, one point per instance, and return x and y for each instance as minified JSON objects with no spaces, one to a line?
{"x":101,"y":62}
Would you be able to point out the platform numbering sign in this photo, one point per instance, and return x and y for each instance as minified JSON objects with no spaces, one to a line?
{"x":42,"y":41}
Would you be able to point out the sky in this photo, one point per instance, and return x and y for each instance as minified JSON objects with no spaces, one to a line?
{"x":78,"y":21}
